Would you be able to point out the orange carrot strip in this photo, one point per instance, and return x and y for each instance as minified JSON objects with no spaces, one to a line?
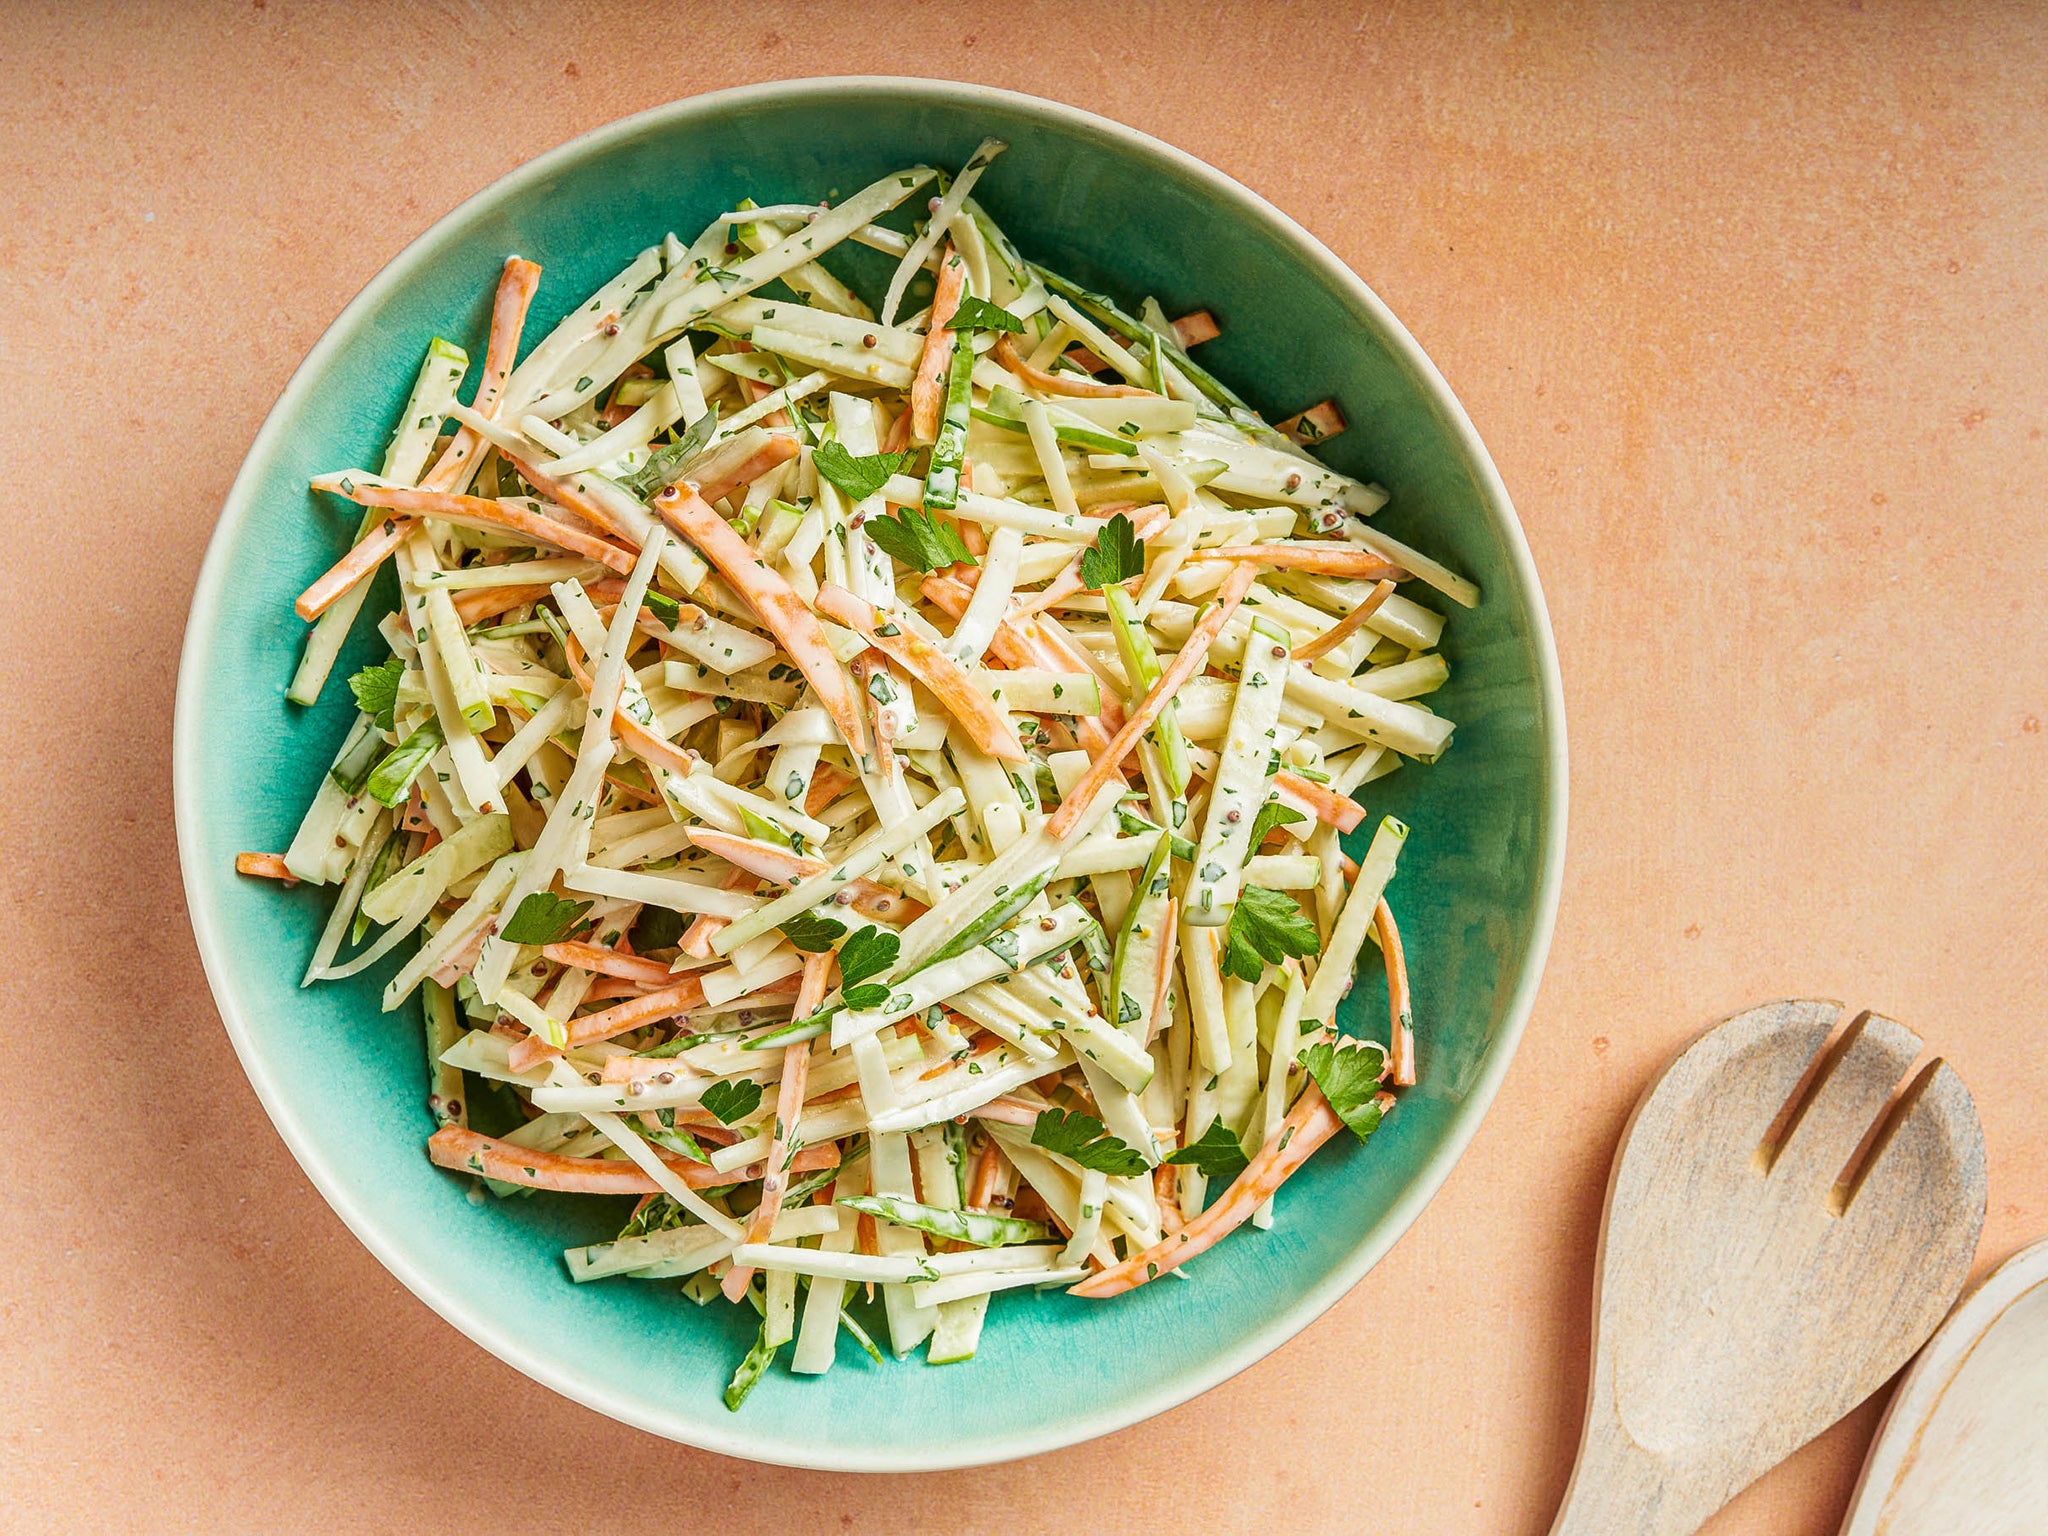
{"x":1325,"y":560}
{"x":607,"y":987}
{"x":777,"y":450}
{"x":607,"y":962}
{"x":360,"y":562}
{"x":759,"y":861}
{"x":481,"y":603}
{"x":696,"y":940}
{"x":789,"y":1106}
{"x":482,"y":512}
{"x":1331,"y":808}
{"x":517,"y":285}
{"x":928,"y":383}
{"x":981,"y":1187}
{"x":1401,"y":1058}
{"x":987,"y":723}
{"x":593,"y":1027}
{"x":1138,"y":721}
{"x":637,"y":739}
{"x":563,"y":494}
{"x":268,"y":866}
{"x":1347,"y":626}
{"x":1308,"y":1125}
{"x":774,"y":602}
{"x":1059,"y":383}
{"x":1148,"y":522}
{"x":826,"y":783}
{"x":1192,"y":330}
{"x":462,"y":1150}
{"x":1026,"y":644}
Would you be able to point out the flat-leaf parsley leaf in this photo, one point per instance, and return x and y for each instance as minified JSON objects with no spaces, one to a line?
{"x":859,"y":477}
{"x":733,"y":1101}
{"x":1266,"y":927}
{"x":868,"y":953}
{"x":376,"y":691}
{"x":544,"y":918}
{"x":980,"y":315}
{"x":919,"y":540}
{"x":811,"y":933}
{"x":1349,"y":1075}
{"x":1216,"y":1154}
{"x":1114,"y":556}
{"x":1081,"y":1139}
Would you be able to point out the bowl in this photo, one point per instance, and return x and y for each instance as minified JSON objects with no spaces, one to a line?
{"x":345,"y":1083}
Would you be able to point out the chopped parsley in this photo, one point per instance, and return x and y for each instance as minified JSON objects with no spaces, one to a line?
{"x":811,"y":933}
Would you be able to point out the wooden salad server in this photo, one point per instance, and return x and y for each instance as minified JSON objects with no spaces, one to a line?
{"x":1790,"y":1215}
{"x":1963,"y":1450}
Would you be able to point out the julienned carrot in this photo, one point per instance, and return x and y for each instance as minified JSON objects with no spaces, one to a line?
{"x":1331,"y":808}
{"x":517,"y":285}
{"x":826,"y":784}
{"x":1060,"y":383}
{"x":480,"y":603}
{"x":1322,"y":559}
{"x":704,"y":927}
{"x":789,"y":1107}
{"x":593,"y":1027}
{"x":987,"y":1165}
{"x":481,"y":512}
{"x":462,"y":1150}
{"x":774,"y":602}
{"x":1024,"y":644}
{"x":1401,"y":1054}
{"x":1146,"y":523}
{"x":1192,"y":330}
{"x":1347,"y":626}
{"x":777,"y":450}
{"x":983,"y":719}
{"x":606,"y":962}
{"x":267,"y":866}
{"x":935,"y":358}
{"x":564,"y":494}
{"x":358,"y":564}
{"x":1308,"y":1125}
{"x":764,"y":861}
{"x":605,"y":988}
{"x":635,"y":737}
{"x":1194,"y":652}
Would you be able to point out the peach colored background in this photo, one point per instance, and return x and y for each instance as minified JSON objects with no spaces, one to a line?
{"x":1749,"y":304}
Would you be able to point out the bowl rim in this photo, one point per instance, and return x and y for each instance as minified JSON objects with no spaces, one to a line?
{"x":188,"y":788}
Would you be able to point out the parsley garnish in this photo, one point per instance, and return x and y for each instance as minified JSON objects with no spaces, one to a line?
{"x":543,"y":918}
{"x":1349,"y":1075}
{"x":1266,"y":926}
{"x":1216,"y":1154}
{"x":811,"y":933}
{"x":656,"y":928}
{"x":733,"y":1101}
{"x":376,"y":691}
{"x":869,"y":995}
{"x":1114,"y":556}
{"x":657,"y":1215}
{"x":868,"y":953}
{"x":860,"y":477}
{"x":920,"y":540}
{"x":665,"y":465}
{"x":980,"y":315}
{"x":1081,"y":1139}
{"x":1272,"y":814}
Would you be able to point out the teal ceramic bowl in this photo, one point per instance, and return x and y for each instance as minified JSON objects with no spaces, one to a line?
{"x":345,"y":1084}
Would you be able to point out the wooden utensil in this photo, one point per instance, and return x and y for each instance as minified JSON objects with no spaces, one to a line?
{"x":1789,"y":1217}
{"x":1963,"y":1449}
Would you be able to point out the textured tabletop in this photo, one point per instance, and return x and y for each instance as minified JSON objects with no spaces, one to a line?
{"x":1752,"y":309}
